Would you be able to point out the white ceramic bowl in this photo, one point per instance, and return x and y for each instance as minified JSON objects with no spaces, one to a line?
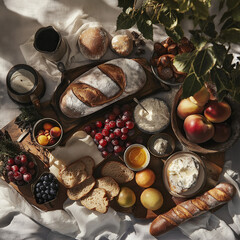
{"x":146,"y":162}
{"x":200,"y":183}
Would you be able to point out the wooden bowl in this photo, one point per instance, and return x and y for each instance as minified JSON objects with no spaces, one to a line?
{"x":209,"y":146}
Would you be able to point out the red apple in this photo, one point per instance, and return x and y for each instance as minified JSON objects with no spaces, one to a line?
{"x":186,"y":107}
{"x":217,"y":112}
{"x":198,"y":129}
{"x":222,"y":132}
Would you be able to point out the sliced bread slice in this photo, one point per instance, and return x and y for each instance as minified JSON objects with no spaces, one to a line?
{"x":110,"y":185}
{"x":96,"y":200}
{"x":73,"y":174}
{"x":118,"y":171}
{"x":89,"y":165}
{"x":81,"y":189}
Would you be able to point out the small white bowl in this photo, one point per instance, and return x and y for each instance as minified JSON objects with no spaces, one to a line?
{"x":146,"y":162}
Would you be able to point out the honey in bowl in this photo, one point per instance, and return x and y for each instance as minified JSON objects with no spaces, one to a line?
{"x":136,"y":157}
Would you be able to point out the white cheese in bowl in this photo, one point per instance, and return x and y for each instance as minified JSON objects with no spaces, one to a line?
{"x":183,"y":173}
{"x":155,"y":119}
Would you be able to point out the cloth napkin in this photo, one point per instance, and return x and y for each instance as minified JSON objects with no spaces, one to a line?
{"x":74,"y":221}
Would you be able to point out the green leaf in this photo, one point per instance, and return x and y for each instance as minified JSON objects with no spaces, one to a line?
{"x":236,"y":96}
{"x":191,"y":85}
{"x":221,"y":79}
{"x":219,"y":52}
{"x":232,"y":4}
{"x":208,"y":27}
{"x":225,"y":16}
{"x":227,"y":64}
{"x":203,"y":62}
{"x":125,"y":21}
{"x":183,"y":62}
{"x":176,"y":34}
{"x":144,"y":25}
{"x":125,"y":4}
{"x":198,"y":41}
{"x":184,"y":6}
{"x":171,"y":4}
{"x":221,"y":4}
{"x":201,"y":9}
{"x":236,"y":13}
{"x":168,"y":19}
{"x":231,"y":35}
{"x":235,"y":77}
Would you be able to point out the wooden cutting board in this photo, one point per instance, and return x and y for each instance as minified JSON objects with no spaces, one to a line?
{"x":51,"y":109}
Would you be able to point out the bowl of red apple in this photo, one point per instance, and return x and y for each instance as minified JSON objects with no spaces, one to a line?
{"x":112,"y":135}
{"x":203,"y":123}
{"x":21,"y":169}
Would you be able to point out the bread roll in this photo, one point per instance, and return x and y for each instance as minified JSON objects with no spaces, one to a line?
{"x":101,"y":86}
{"x":122,"y":45}
{"x":93,"y":42}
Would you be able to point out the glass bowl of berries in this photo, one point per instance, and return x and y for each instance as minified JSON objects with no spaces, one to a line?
{"x":21,"y":169}
{"x":47,"y":133}
{"x":112,"y":134}
{"x":46,"y":188}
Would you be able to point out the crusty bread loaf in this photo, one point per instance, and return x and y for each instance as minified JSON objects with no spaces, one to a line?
{"x":96,"y":200}
{"x":118,"y":171}
{"x":93,"y":42}
{"x":217,"y":196}
{"x":81,"y":189}
{"x":110,"y":185}
{"x":101,"y":86}
{"x":122,"y":44}
{"x":89,"y":165}
{"x":73,"y":174}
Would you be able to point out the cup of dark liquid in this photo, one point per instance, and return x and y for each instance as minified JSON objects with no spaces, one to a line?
{"x":50,"y":43}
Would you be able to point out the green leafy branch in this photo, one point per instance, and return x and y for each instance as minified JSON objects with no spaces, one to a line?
{"x":211,"y":59}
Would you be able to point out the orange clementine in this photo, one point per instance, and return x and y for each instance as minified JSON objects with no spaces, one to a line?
{"x":47,"y":126}
{"x":145,"y":178}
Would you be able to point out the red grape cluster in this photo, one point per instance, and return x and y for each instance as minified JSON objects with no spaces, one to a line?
{"x":20,"y":170}
{"x":112,"y":135}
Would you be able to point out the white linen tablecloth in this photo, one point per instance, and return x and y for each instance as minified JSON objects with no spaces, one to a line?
{"x":18,"y":219}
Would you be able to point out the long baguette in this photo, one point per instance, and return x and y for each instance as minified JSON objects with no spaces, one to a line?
{"x":217,"y":196}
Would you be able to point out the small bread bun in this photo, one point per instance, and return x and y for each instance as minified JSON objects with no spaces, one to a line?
{"x":122,"y":44}
{"x":93,"y":42}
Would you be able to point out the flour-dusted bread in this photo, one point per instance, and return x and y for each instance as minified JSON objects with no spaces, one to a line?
{"x":96,"y":200}
{"x":73,"y":174}
{"x":89,"y":165}
{"x":122,"y":44}
{"x":101,"y":86}
{"x":118,"y":171}
{"x":110,"y":185}
{"x":93,"y":42}
{"x":81,"y":189}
